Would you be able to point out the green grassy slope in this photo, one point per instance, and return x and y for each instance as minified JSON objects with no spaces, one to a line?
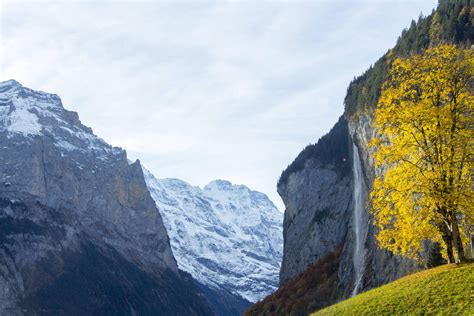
{"x":444,"y":290}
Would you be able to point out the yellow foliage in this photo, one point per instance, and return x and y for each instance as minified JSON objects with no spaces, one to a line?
{"x":424,"y":148}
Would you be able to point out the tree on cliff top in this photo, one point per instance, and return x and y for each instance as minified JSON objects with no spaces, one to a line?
{"x":424,"y":149}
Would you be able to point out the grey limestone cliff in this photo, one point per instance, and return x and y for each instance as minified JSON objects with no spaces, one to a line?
{"x":319,"y":195}
{"x":380,"y":266}
{"x":317,"y":192}
{"x":80,"y":232}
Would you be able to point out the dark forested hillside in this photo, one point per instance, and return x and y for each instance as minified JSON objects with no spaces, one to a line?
{"x":331,"y":149}
{"x":452,"y":22}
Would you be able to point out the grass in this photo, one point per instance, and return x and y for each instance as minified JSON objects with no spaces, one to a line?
{"x":444,"y":290}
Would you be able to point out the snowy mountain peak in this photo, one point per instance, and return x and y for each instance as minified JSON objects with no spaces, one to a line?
{"x":12,"y":88}
{"x":26,"y":113}
{"x":220,"y":184}
{"x":9,"y":83}
{"x":226,"y":236}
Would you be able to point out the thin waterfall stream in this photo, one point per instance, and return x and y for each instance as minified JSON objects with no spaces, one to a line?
{"x":358,"y":194}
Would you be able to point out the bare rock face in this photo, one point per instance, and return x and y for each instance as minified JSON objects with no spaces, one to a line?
{"x":318,"y":191}
{"x":317,"y":202}
{"x":70,"y":202}
{"x":380,"y":266}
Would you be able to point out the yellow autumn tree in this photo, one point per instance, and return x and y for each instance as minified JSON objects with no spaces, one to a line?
{"x":423,"y":151}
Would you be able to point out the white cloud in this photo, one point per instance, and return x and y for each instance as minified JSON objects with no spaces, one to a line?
{"x":200,"y":90}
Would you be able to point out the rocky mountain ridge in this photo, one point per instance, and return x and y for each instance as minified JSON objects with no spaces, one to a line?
{"x":77,"y":221}
{"x":226,"y":236}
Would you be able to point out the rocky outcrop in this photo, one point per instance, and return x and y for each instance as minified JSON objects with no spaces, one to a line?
{"x":317,"y":197}
{"x":319,"y":216}
{"x":80,"y":231}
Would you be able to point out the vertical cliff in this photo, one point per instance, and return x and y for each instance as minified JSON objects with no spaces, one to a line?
{"x":322,"y":197}
{"x":80,"y":233}
{"x":316,"y":190}
{"x":324,"y":187}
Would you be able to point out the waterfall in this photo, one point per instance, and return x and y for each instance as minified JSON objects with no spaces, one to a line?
{"x":358,"y":194}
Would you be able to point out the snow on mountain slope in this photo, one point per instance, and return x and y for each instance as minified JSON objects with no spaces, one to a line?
{"x":80,"y":233}
{"x":28,"y":113}
{"x":226,"y":236}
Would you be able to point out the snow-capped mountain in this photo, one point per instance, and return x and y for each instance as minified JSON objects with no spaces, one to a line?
{"x":80,"y":233}
{"x":29,"y":113}
{"x":226,"y":236}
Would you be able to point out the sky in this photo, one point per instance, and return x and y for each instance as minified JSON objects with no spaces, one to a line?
{"x":202,"y":90}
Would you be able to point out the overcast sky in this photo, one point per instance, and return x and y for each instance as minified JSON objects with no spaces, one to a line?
{"x":202,"y":90}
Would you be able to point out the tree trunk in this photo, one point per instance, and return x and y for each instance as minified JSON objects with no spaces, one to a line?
{"x":457,"y":242}
{"x":448,"y":241}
